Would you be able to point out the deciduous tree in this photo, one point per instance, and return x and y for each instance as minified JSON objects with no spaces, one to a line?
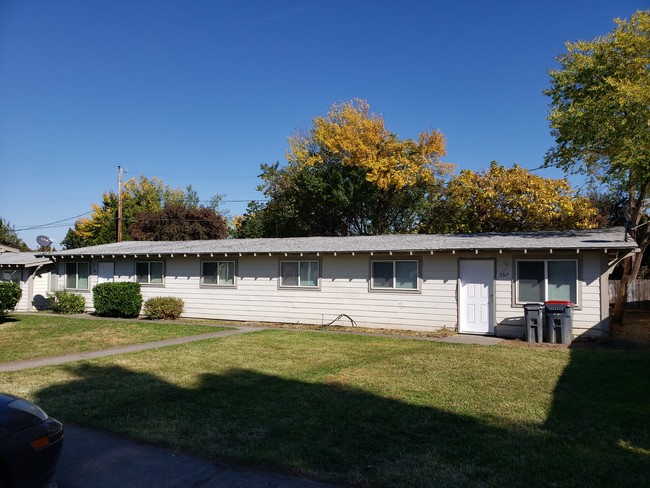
{"x":348,"y":175}
{"x":9,"y":237}
{"x":508,"y":200}
{"x":178,"y":223}
{"x":140,"y":197}
{"x":600,"y":118}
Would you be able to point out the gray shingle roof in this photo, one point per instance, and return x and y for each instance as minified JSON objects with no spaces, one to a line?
{"x":580,"y":239}
{"x":25,"y":259}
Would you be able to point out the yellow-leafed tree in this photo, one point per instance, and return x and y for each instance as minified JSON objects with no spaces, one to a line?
{"x":348,"y":175}
{"x":509,"y":200}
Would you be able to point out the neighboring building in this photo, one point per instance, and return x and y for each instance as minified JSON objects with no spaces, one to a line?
{"x":4,"y":248}
{"x":32,"y":273}
{"x":476,"y":283}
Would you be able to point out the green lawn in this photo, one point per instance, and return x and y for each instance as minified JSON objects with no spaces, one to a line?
{"x":372,"y":411}
{"x":36,"y":336}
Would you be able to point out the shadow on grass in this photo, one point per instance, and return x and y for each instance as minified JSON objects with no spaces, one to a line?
{"x":596,"y":432}
{"x":602,"y":400}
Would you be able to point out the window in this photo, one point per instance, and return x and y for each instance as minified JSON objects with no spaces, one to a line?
{"x":219,"y":273}
{"x":10,"y":276}
{"x":54,"y":281}
{"x":299,"y":274}
{"x":544,"y":280}
{"x":394,"y":275}
{"x":76,"y":276}
{"x":149,"y":272}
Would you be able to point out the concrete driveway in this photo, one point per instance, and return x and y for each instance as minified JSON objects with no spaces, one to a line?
{"x":94,"y":459}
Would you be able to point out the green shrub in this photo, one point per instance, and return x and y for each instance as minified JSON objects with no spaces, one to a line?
{"x":164,"y":308}
{"x":121,"y":299}
{"x":10,"y":294}
{"x":65,"y":302}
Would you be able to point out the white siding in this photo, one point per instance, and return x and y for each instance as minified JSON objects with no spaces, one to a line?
{"x":34,"y":284}
{"x":41,"y":287}
{"x":344,"y":289}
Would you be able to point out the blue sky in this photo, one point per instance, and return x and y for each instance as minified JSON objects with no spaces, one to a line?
{"x":203,"y":92}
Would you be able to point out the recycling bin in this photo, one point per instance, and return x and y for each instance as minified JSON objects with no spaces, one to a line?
{"x":558,"y":315}
{"x":534,"y":318}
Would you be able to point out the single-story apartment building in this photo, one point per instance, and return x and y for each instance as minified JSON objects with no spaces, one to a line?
{"x":32,"y":273}
{"x":475,"y":283}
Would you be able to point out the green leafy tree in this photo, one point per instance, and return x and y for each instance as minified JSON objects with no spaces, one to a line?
{"x":9,"y":237}
{"x":251,"y":223}
{"x":73,"y":240}
{"x":178,"y":223}
{"x":141,"y":196}
{"x":600,"y":118}
{"x":613,"y":207}
{"x":508,"y":200}
{"x":347,"y":175}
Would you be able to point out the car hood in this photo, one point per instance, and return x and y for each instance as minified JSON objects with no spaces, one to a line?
{"x":15,"y":419}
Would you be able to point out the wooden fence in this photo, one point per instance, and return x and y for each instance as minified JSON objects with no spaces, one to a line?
{"x":638,"y":293}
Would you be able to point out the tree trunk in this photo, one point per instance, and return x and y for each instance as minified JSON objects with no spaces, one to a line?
{"x":631,"y":267}
{"x":632,"y":264}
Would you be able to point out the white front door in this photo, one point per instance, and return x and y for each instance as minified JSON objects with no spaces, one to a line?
{"x":475,"y":315}
{"x":105,"y":271}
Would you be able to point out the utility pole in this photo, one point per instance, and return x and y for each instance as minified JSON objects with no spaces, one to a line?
{"x":119,"y":206}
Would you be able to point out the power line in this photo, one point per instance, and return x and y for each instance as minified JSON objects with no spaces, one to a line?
{"x":235,"y":201}
{"x":52,"y":225}
{"x":45,"y":226}
{"x":200,"y":177}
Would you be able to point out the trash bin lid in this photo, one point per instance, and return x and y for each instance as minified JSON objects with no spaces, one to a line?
{"x":533,"y":306}
{"x":566,"y":303}
{"x":558,"y":305}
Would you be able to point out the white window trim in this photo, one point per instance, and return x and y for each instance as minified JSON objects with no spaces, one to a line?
{"x":299,"y":286}
{"x":76,"y":274}
{"x":219,"y":285}
{"x":546,"y":261}
{"x":148,"y":263}
{"x":394,"y":289}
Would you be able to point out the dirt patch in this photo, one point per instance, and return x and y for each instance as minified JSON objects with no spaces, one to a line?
{"x":436,"y":333}
{"x":635,"y":329}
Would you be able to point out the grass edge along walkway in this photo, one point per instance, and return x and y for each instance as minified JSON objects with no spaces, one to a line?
{"x":79,"y":356}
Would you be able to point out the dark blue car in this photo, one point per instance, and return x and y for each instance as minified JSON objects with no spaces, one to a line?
{"x":30,"y":443}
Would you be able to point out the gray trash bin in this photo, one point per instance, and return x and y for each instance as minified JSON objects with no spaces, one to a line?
{"x":534,"y":318}
{"x":558,"y":315}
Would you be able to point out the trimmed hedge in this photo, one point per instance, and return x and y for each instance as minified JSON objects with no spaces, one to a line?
{"x":10,"y":294}
{"x":157,"y":308}
{"x":121,"y":299}
{"x":65,"y":302}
